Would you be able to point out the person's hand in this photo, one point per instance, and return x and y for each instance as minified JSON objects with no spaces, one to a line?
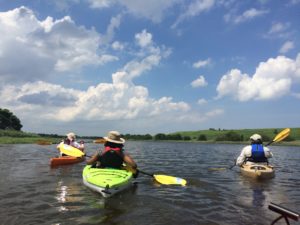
{"x":136,"y":174}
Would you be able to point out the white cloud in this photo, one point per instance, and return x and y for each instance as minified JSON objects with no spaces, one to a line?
{"x":272,"y":79}
{"x":202,"y":63}
{"x":116,"y":45}
{"x":195,"y":8}
{"x":121,"y":99}
{"x":110,"y":31}
{"x":199,"y":82}
{"x":63,"y":5}
{"x":37,"y":100}
{"x":245,"y":16}
{"x":214,"y":113}
{"x":297,"y":95}
{"x":287,"y":46}
{"x":144,"y":39}
{"x":106,"y":101}
{"x":50,"y":45}
{"x":201,"y":101}
{"x":101,"y":3}
{"x":294,"y":2}
{"x":153,"y":10}
{"x":32,"y":49}
{"x":279,"y":30}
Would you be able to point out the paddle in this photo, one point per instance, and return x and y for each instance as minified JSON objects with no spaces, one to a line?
{"x":165,"y":179}
{"x":99,"y":141}
{"x":279,"y":137}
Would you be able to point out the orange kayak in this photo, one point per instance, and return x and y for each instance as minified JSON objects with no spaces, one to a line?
{"x":65,"y":160}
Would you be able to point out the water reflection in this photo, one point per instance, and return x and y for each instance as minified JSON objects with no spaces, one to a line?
{"x":69,"y":196}
{"x":257,"y":192}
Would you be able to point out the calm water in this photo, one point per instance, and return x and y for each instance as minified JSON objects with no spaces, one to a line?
{"x":33,"y":193}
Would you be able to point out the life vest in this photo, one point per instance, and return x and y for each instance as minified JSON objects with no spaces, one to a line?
{"x":257,"y":153}
{"x":111,"y":157}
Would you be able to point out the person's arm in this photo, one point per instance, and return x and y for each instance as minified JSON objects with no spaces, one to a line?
{"x":268,"y":153}
{"x":129,"y":161}
{"x":81,"y":146}
{"x":240,"y":160}
{"x":93,"y":159}
{"x":77,"y":145}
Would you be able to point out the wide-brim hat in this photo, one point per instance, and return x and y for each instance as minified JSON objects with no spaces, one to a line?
{"x":71,"y":135}
{"x":114,"y":137}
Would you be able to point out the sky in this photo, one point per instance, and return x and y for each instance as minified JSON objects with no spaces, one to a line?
{"x":148,"y":67}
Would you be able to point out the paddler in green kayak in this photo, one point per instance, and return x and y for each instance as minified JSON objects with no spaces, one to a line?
{"x":113,"y":154}
{"x":255,"y":152}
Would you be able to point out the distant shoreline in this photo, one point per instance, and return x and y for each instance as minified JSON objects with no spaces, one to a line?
{"x":53,"y":141}
{"x":211,"y":136}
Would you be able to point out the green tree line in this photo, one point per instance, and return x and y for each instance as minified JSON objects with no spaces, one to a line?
{"x":225,"y":135}
{"x":8,"y":121}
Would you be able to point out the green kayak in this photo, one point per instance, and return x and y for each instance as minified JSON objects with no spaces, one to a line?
{"x":106,"y":181}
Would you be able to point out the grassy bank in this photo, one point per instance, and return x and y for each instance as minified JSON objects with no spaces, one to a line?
{"x":213,"y":134}
{"x":24,"y":140}
{"x":20,"y":137}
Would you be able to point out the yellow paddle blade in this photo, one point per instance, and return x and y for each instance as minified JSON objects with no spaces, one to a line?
{"x":164,"y":179}
{"x":71,"y":151}
{"x":282,"y":135}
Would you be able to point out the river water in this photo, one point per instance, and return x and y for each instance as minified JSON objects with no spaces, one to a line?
{"x":33,"y":193}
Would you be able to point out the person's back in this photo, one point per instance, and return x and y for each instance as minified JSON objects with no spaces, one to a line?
{"x":257,"y":153}
{"x":254,"y":153}
{"x":113,"y":155}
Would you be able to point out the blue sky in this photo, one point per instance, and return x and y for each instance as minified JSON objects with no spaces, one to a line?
{"x":150,"y":66}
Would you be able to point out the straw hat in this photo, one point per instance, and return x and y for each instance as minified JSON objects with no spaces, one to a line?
{"x":71,"y":135}
{"x":114,"y":137}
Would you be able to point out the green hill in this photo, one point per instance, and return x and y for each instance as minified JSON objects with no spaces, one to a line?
{"x":215,"y":134}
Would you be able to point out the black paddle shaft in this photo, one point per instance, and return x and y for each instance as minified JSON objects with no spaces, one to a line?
{"x":149,"y":174}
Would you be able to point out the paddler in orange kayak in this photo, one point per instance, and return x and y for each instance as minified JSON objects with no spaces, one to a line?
{"x":71,"y":140}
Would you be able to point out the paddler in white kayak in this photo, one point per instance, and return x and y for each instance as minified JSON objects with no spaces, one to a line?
{"x":255,"y":152}
{"x":113,"y":154}
{"x":71,"y":140}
